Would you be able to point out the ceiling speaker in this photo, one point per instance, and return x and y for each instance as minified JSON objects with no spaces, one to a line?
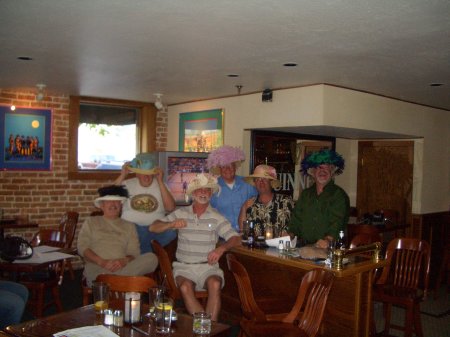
{"x":267,"y":95}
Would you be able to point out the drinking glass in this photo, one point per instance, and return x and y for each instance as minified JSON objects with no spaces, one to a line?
{"x":153,"y":294}
{"x":330,"y":251}
{"x":163,"y":314}
{"x":201,"y":323}
{"x":100,"y":293}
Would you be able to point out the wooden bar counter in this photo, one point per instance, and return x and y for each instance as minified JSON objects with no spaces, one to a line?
{"x":277,"y":276}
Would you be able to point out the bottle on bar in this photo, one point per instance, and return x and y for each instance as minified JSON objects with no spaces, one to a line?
{"x":251,"y":235}
{"x":340,"y":244}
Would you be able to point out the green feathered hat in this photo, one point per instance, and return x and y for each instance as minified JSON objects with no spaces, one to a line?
{"x":318,"y":158}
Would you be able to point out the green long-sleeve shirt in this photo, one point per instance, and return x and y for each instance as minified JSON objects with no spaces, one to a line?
{"x":316,"y":216}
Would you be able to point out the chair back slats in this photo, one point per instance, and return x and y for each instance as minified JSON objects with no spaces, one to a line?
{"x":312,"y":297}
{"x":250,"y":308}
{"x":408,"y":264}
{"x":68,"y":223}
{"x":49,"y":237}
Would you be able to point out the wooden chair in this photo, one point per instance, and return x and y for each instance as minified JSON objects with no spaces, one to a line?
{"x":119,"y":284}
{"x":165,"y":258}
{"x":364,"y":239}
{"x":404,"y":282}
{"x":50,"y":278}
{"x":68,"y":224}
{"x":305,"y":317}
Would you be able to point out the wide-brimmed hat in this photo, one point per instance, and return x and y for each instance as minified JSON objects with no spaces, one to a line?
{"x":144,"y":163}
{"x":264,"y":171}
{"x":113,"y":192}
{"x":202,"y":181}
{"x":318,"y":158}
{"x":223,"y":156}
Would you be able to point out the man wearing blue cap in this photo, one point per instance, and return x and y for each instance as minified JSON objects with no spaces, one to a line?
{"x":322,"y":209}
{"x":149,"y":199}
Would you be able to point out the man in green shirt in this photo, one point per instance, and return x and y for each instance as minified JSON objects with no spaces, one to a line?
{"x":322,"y":209}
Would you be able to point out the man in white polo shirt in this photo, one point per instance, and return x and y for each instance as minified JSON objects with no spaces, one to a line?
{"x":199,"y":226}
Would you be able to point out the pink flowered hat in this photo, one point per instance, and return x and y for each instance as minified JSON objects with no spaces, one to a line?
{"x":264,"y":171}
{"x":224,"y":155}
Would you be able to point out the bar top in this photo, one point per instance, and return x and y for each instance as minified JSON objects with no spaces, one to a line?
{"x":356,"y":264}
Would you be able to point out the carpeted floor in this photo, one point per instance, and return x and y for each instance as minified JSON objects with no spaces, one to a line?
{"x":435,"y":313}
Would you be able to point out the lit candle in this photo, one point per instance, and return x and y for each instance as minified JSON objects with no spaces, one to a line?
{"x":269,"y":233}
{"x":132,"y":307}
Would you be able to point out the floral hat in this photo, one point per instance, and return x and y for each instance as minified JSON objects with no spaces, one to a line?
{"x":318,"y":158}
{"x":264,"y":171}
{"x":203,"y":181}
{"x":222,"y":156}
{"x":113,"y":192}
{"x":144,"y":163}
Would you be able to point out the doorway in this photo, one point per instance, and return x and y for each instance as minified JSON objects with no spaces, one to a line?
{"x":385,"y":178}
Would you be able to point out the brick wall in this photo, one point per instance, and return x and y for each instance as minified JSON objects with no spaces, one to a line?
{"x":44,"y":196}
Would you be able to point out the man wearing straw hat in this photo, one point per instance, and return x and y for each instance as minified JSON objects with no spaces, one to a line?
{"x":109,"y":244}
{"x":270,"y":211}
{"x":149,"y":199}
{"x":199,"y":227}
{"x":322,"y":209}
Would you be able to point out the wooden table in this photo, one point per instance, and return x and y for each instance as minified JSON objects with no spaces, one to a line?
{"x":86,"y":316}
{"x":348,"y":311}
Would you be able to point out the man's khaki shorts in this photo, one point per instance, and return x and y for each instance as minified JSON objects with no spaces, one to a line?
{"x":197,"y":273}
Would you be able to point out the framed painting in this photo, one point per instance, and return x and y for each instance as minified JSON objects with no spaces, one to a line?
{"x":25,"y":142}
{"x":201,"y":131}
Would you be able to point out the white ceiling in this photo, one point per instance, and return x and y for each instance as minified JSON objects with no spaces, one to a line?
{"x":131,"y":49}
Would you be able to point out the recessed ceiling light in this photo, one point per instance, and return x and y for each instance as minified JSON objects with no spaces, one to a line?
{"x":290,"y":64}
{"x":233,"y":75}
{"x":436,"y":84}
{"x":24,"y":58}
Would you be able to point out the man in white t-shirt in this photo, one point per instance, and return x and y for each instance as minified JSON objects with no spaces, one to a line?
{"x":149,"y":198}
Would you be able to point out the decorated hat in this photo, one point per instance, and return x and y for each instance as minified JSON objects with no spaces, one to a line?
{"x":264,"y":171}
{"x":222,"y":156}
{"x":113,"y":192}
{"x":144,"y":163}
{"x":203,"y":181}
{"x":318,"y":158}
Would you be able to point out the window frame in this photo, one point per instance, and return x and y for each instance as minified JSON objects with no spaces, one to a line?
{"x":146,"y":134}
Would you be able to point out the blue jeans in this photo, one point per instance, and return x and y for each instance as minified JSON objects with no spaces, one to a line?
{"x":145,"y":238}
{"x":13,"y":298}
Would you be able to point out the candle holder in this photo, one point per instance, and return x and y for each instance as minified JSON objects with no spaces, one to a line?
{"x":132,"y":307}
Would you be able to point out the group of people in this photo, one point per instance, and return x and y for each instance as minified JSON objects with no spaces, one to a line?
{"x":141,"y":209}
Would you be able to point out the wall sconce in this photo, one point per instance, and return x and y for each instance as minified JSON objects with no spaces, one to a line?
{"x":40,"y":93}
{"x":158,"y":102}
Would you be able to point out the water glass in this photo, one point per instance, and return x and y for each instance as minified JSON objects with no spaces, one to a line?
{"x":153,"y":294}
{"x":201,"y":323}
{"x":163,"y":314}
{"x":330,"y":250}
{"x":100,"y":293}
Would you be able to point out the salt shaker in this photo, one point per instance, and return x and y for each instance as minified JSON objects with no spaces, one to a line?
{"x":109,"y":320}
{"x":280,"y":245}
{"x":118,"y":318}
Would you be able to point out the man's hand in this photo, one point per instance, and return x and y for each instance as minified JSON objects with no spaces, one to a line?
{"x":179,"y":223}
{"x":321,"y":243}
{"x":214,"y":256}
{"x":159,"y":175}
{"x":114,"y":265}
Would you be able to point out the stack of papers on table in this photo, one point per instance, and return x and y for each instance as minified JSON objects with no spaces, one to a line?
{"x":91,"y":331}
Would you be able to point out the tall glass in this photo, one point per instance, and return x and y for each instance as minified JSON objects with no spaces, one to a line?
{"x":153,"y":294}
{"x":100,"y":293}
{"x":163,"y":314}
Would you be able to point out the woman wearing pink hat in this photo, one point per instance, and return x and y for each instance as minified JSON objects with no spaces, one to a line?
{"x":269,"y":210}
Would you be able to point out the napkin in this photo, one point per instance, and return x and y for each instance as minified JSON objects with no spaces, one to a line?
{"x":274,"y":242}
{"x":91,"y":331}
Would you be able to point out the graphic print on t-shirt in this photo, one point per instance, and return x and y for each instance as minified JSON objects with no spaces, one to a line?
{"x":145,"y":203}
